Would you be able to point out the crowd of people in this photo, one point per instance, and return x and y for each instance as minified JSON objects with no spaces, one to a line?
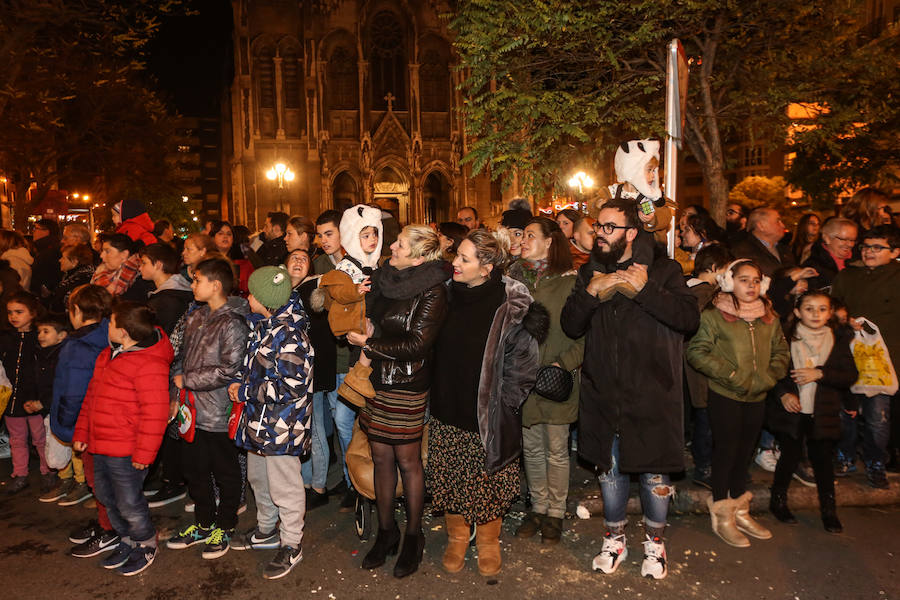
{"x":447,"y":360}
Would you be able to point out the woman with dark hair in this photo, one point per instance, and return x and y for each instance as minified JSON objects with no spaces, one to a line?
{"x":223,"y":236}
{"x":699,"y":230}
{"x":486,"y":358}
{"x":567,"y":218}
{"x":806,"y":234}
{"x":545,"y":268}
{"x":407,"y":308}
{"x":451,"y":234}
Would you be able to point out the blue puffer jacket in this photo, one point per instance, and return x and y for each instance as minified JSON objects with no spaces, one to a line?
{"x":73,"y":373}
{"x":276,"y":384}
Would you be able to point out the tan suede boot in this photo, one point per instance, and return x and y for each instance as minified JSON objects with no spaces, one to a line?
{"x":487,"y":540}
{"x":457,"y":542}
{"x":722,"y":515}
{"x":744,"y":522}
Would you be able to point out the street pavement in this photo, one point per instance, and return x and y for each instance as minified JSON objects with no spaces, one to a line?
{"x":801,"y":562}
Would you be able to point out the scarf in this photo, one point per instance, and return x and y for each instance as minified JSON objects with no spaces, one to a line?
{"x":117,"y":282}
{"x":747,"y":312}
{"x":809,"y":351}
{"x":532,"y":271}
{"x":402,"y":284}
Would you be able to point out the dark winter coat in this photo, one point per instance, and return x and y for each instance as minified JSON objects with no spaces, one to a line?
{"x":408,"y":308}
{"x":697,"y":384}
{"x":275,"y":380}
{"x":71,"y":279}
{"x":838,"y":374}
{"x":822,"y":261}
{"x":875,"y":295}
{"x":321,"y":338}
{"x":210,"y":358}
{"x":18,"y":351}
{"x":272,"y":252}
{"x":73,"y":374}
{"x":508,"y":371}
{"x":631,"y":378}
{"x":45,"y":271}
{"x":126,"y":406}
{"x":170,"y":301}
{"x":47,"y":359}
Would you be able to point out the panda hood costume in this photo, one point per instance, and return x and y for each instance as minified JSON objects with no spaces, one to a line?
{"x":355,"y":219}
{"x":631,"y":158}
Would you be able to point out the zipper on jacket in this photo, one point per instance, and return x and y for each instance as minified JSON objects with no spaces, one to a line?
{"x":753,"y":344}
{"x":15,"y":396}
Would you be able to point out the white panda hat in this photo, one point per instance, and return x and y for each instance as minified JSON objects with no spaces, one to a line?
{"x":631,"y":158}
{"x":355,"y":219}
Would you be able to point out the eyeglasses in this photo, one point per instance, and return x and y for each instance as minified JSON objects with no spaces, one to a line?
{"x":845,"y":240}
{"x":731,"y":211}
{"x":874,"y":247}
{"x":608,"y":228}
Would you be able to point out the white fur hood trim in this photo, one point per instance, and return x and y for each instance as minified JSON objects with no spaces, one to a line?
{"x":355,"y":219}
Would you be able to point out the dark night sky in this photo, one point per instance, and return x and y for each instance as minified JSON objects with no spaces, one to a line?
{"x":191,"y":58}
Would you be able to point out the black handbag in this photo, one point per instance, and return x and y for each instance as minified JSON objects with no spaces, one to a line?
{"x":554,"y":383}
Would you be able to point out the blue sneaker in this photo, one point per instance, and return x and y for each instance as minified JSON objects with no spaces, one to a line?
{"x":118,"y":557}
{"x":140,"y":558}
{"x":190,"y":535}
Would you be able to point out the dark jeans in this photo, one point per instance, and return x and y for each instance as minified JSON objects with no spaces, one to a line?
{"x":171,"y":452}
{"x":701,"y":439}
{"x":735,"y":429}
{"x":213,"y":452}
{"x":120,"y":487}
{"x":819,"y":452}
{"x":876,"y":414}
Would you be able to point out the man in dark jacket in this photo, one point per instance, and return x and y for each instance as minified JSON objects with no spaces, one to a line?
{"x":45,"y":272}
{"x":274,"y":250}
{"x":631,"y":408}
{"x":172,"y":293}
{"x":829,"y":255}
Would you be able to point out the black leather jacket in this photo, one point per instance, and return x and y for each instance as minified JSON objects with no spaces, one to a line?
{"x":406,"y":329}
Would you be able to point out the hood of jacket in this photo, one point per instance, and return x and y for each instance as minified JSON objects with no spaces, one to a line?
{"x":355,"y":219}
{"x":18,"y":258}
{"x":631,"y":158}
{"x":177,"y":282}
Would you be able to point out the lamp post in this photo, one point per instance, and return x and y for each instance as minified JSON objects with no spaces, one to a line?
{"x":280,"y":173}
{"x":581,"y":181}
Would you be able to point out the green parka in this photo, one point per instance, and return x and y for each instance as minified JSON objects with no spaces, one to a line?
{"x":552,"y":291}
{"x":742,"y":360}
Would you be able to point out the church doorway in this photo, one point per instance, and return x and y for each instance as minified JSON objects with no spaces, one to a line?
{"x":392,"y":193}
{"x":437,"y":198}
{"x":344,"y":192}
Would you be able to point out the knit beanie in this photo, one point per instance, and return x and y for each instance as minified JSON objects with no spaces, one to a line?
{"x":631,"y":158}
{"x":271,"y":286}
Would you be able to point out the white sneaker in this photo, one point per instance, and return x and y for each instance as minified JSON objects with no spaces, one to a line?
{"x":611,"y":554}
{"x":654,"y":564}
{"x":767,"y":459}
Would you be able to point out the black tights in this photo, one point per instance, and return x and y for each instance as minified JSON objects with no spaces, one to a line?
{"x":735,"y":428}
{"x":819,"y":452}
{"x":408,"y":457}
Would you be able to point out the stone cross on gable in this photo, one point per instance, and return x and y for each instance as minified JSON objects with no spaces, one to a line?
{"x":390,"y":101}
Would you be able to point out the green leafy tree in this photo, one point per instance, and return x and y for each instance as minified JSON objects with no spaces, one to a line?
{"x":756,"y":192}
{"x":551,"y":83}
{"x":72,"y":99}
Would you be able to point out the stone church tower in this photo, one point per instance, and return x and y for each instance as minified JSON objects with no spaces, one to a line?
{"x":358,"y":99}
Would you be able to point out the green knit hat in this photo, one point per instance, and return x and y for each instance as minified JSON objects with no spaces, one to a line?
{"x":271,"y":286}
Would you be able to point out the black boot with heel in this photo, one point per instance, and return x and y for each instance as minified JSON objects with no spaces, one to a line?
{"x":779,"y":508}
{"x":828,"y":509}
{"x":410,"y":554}
{"x":385,"y":545}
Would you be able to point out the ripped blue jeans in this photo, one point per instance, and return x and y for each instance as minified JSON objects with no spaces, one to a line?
{"x":655,"y":490}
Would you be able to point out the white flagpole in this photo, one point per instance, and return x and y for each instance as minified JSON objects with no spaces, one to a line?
{"x":673,"y":136}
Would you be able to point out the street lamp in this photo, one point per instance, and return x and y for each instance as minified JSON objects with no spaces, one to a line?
{"x":280,"y":173}
{"x":582,"y":181}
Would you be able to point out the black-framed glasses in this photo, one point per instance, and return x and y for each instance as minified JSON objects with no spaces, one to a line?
{"x":608,"y":228}
{"x":731,"y":211}
{"x":874,"y":247}
{"x":845,"y":240}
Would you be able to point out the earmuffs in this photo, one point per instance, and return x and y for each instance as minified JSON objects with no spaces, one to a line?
{"x":726,"y":279}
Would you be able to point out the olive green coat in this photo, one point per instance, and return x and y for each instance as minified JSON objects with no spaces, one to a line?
{"x":552,"y":292}
{"x":742,"y":360}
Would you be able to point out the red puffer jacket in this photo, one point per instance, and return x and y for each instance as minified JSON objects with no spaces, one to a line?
{"x":126,"y":406}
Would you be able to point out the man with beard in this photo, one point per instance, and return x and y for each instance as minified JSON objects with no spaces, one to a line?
{"x":630,"y":409}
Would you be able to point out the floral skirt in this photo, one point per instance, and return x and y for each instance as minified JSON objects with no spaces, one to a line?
{"x":457,"y":478}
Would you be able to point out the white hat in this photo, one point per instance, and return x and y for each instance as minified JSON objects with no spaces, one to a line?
{"x":631,"y":158}
{"x":355,"y":219}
